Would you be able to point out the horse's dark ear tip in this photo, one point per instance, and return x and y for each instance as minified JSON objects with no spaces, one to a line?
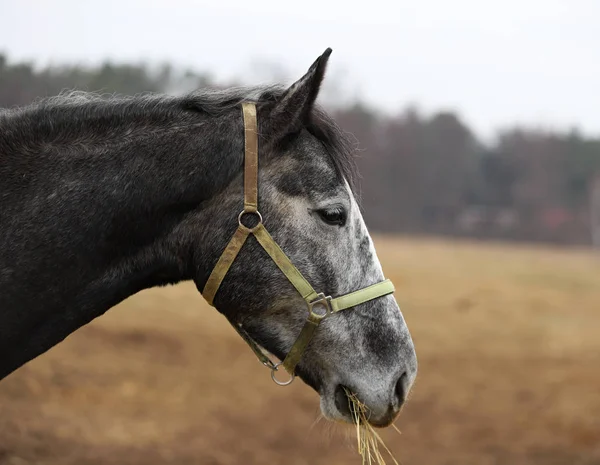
{"x":321,"y":62}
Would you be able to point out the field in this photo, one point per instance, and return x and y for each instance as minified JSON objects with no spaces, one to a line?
{"x":508,"y":340}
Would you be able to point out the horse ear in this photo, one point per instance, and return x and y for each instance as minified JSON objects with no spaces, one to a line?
{"x":291,"y":110}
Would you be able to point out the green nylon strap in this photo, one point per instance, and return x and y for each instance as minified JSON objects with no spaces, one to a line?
{"x":284,"y":264}
{"x":295,"y":354}
{"x":362,"y":295}
{"x":225,"y":261}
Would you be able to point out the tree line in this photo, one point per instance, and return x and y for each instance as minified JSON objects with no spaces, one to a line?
{"x":419,"y":174}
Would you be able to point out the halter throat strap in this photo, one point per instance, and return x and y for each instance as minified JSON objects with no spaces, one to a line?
{"x":319,"y":305}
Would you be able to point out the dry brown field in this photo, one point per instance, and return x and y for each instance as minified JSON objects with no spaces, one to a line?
{"x":508,"y":341}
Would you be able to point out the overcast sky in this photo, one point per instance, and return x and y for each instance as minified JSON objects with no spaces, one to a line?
{"x":535,"y":62}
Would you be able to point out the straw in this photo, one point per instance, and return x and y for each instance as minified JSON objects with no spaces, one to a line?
{"x":368,"y":441}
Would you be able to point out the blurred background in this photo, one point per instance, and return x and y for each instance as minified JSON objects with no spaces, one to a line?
{"x":477,"y":126}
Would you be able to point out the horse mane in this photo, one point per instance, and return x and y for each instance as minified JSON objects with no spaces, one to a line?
{"x":79,"y":117}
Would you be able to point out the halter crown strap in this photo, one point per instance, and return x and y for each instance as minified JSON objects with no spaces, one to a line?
{"x":319,"y":305}
{"x":250,"y":158}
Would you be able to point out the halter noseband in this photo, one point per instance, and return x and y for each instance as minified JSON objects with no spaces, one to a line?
{"x":319,"y":305}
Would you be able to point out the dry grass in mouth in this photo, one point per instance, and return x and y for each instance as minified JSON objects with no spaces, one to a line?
{"x":367,"y":438}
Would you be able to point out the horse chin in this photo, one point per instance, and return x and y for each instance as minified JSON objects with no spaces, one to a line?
{"x":331,"y":412}
{"x":333,"y":407}
{"x":327,"y":397}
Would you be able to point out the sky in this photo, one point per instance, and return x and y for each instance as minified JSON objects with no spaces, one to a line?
{"x":532,"y":62}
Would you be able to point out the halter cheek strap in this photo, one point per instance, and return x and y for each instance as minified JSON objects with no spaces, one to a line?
{"x":319,"y":305}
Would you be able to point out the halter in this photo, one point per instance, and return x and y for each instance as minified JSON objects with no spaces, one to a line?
{"x":319,"y":305}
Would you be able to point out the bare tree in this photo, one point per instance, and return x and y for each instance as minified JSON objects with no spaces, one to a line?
{"x":595,"y":212}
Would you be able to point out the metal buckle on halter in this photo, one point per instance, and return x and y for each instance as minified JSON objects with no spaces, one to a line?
{"x":321,"y":302}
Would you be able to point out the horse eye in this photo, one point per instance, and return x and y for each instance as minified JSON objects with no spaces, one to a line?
{"x":335,"y":216}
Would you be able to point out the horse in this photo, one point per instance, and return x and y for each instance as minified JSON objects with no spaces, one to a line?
{"x":103,"y":196}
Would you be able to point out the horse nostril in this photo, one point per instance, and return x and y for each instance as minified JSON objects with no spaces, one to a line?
{"x":401,"y":389}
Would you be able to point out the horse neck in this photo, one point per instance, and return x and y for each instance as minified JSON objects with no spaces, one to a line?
{"x":87,"y":226}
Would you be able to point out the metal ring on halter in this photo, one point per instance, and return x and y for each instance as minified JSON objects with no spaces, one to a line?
{"x":242,"y":225}
{"x":279,"y":383}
